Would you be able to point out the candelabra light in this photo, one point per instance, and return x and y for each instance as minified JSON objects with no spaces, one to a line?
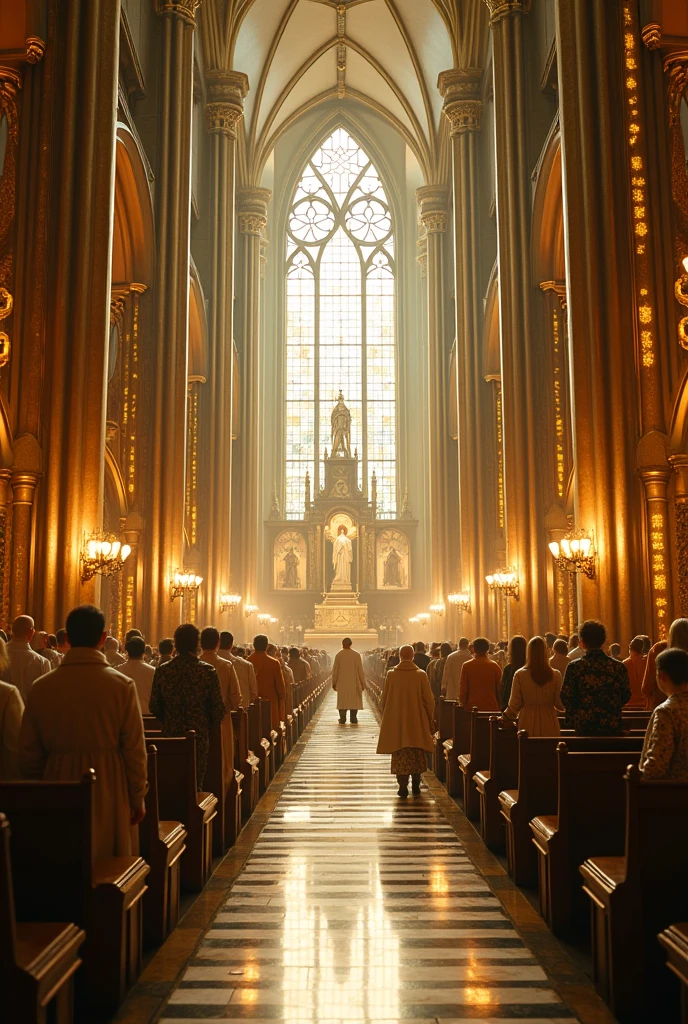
{"x":264,"y":618}
{"x":462,"y":600}
{"x":423,"y":618}
{"x":103,"y":555}
{"x":437,"y":609}
{"x":506,"y":581}
{"x":228,"y":602}
{"x":414,"y":620}
{"x":575,"y":553}
{"x":250,"y":609}
{"x":184,"y":583}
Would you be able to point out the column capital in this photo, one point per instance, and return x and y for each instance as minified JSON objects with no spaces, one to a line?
{"x":185,"y":10}
{"x":434,"y":210}
{"x":252,"y":209}
{"x":225,"y":106}
{"x":502,"y":8}
{"x":460,"y":89}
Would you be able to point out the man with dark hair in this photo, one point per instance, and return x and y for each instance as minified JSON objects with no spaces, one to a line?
{"x":480,"y":679}
{"x":269,"y":678}
{"x":186,"y":695}
{"x":596,"y":687}
{"x":231,"y":693}
{"x":348,"y":680}
{"x":130,"y":633}
{"x":245,"y":672}
{"x":165,"y":649}
{"x":420,"y":658}
{"x":62,"y":641}
{"x":665,"y":751}
{"x":300,"y":668}
{"x":137,"y":669}
{"x":84,"y":715}
{"x":635,"y":664}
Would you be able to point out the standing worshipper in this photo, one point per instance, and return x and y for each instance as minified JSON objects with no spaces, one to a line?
{"x":517,"y":659}
{"x":438,"y":667}
{"x":678,"y":637}
{"x":165,"y":651}
{"x":348,"y":680}
{"x":11,"y":711}
{"x":300,"y":668}
{"x":535,"y":695}
{"x":421,"y":658}
{"x":596,"y":687}
{"x":665,"y":751}
{"x":186,"y":695}
{"x":112,"y":654}
{"x":231,"y":693}
{"x":635,"y":665}
{"x":245,"y":672}
{"x":270,"y":679}
{"x":84,"y":715}
{"x":560,"y":656}
{"x":480,"y":679}
{"x":136,"y":668}
{"x":452,"y":670}
{"x":408,"y":710}
{"x":41,"y":645}
{"x":25,"y":665}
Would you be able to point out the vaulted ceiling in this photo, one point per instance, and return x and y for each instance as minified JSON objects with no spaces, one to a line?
{"x":386,"y":54}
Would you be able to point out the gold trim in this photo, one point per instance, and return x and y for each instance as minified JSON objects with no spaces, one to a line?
{"x":503,"y":8}
{"x":183,"y":9}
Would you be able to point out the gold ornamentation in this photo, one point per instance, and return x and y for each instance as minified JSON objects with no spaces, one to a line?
{"x":502,"y":8}
{"x":222,"y":119}
{"x":652,"y":35}
{"x":35,"y":49}
{"x":6,"y":303}
{"x":5,"y":346}
{"x":184,"y":9}
{"x":226,"y":91}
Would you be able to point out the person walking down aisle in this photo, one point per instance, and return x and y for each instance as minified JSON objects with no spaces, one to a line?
{"x":408,"y":708}
{"x":348,"y":680}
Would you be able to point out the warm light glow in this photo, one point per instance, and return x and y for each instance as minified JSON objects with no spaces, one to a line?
{"x":490,"y":580}
{"x":423,"y":617}
{"x":575,"y":553}
{"x":184,"y":583}
{"x":250,"y":609}
{"x":685,"y":264}
{"x":505,"y":580}
{"x":125,"y":552}
{"x":554,"y":548}
{"x":103,"y":555}
{"x":437,"y":609}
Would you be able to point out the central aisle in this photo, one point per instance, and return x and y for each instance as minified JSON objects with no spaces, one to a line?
{"x":357,"y":906}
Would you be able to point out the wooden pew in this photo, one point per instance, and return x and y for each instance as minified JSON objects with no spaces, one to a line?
{"x":635,"y":896}
{"x":179,"y":801}
{"x":246,"y":763}
{"x":162,"y":844}
{"x":590,"y":819}
{"x":476,"y":757}
{"x":269,"y":733}
{"x":536,"y":793}
{"x":444,"y":719}
{"x":37,"y":960}
{"x":501,"y":773}
{"x":675,"y":941}
{"x":56,"y":878}
{"x":457,"y":743}
{"x":260,"y":746}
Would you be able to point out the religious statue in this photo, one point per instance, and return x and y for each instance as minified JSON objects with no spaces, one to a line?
{"x":291,"y":570}
{"x":392,"y":575}
{"x":341,"y":429}
{"x":342,"y":557}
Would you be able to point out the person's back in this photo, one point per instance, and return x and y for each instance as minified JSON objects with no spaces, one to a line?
{"x":480,"y":679}
{"x":635,"y":666}
{"x":137,"y":669}
{"x":665,"y":750}
{"x":451,"y":676}
{"x":560,"y":659}
{"x":300,"y":668}
{"x":11,"y":712}
{"x":348,"y":680}
{"x":420,"y":658}
{"x":25,"y":664}
{"x":595,"y":688}
{"x":269,"y":679}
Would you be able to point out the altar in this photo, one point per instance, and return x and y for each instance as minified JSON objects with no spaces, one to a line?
{"x":341,"y":614}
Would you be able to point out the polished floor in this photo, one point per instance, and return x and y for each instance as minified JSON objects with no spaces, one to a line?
{"x":355,"y":905}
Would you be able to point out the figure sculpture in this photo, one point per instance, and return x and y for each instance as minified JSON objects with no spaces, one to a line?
{"x":341,"y":429}
{"x":392,"y":569}
{"x":291,"y":570}
{"x":342,"y":557}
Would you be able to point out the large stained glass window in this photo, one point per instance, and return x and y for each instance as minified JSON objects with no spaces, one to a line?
{"x":340,"y":320}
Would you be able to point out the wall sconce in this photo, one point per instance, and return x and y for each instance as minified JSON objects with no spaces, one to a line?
{"x":184,"y":583}
{"x":462,"y":601}
{"x":505,"y":581}
{"x":423,"y":618}
{"x":437,"y":609}
{"x":102,"y":555}
{"x":228,"y":602}
{"x":250,"y":609}
{"x":681,"y":293}
{"x":414,"y":619}
{"x":264,"y":618}
{"x":575,"y":553}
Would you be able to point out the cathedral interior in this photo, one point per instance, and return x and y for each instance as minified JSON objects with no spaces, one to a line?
{"x":348,"y":317}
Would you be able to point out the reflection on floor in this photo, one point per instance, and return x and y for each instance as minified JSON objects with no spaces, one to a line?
{"x":357,"y":906}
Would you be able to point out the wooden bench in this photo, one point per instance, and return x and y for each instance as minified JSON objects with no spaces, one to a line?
{"x":477,"y":757}
{"x":56,"y":878}
{"x":260,"y":746}
{"x":162,"y":844}
{"x":638,"y":895}
{"x":226,"y":783}
{"x":269,"y":734}
{"x":675,"y":941}
{"x":590,"y":819}
{"x":246,"y":763}
{"x":444,"y":720}
{"x":179,"y":800}
{"x":458,"y":742}
{"x":501,"y":773}
{"x":38,"y":960}
{"x":536,"y":793}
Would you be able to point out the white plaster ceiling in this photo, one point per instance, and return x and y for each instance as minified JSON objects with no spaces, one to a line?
{"x":395,"y":50}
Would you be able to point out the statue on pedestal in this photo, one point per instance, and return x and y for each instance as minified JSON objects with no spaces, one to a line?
{"x":392,"y":565}
{"x":341,"y":429}
{"x":291,"y":570}
{"x":342,"y":557}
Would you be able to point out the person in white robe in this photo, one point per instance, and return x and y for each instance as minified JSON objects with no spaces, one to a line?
{"x":231,"y":693}
{"x":25,"y":664}
{"x":11,"y":711}
{"x":348,"y":680}
{"x":138,"y":670}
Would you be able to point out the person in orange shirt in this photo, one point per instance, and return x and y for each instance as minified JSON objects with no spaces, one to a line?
{"x":480,"y":679}
{"x":635,"y":663}
{"x":269,"y":679}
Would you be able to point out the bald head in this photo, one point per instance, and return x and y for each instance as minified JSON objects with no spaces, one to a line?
{"x":22,"y":628}
{"x":406,"y":653}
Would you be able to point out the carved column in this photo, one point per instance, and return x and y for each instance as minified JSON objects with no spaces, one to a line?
{"x":598,"y":229}
{"x":526,"y":550}
{"x":680,"y":466}
{"x":253,"y":218}
{"x":23,"y":489}
{"x":173,"y":210}
{"x":434,"y":215}
{"x":224,"y":110}
{"x":81,"y":179}
{"x":462,"y":107}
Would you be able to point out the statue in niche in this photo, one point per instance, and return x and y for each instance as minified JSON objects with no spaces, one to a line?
{"x":341,"y":429}
{"x":290,"y":576}
{"x":392,"y":569}
{"x":342,"y":557}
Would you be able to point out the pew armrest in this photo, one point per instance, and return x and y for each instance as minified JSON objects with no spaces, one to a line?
{"x":545,"y":827}
{"x":508,"y":799}
{"x":464,"y":762}
{"x":207,"y":803}
{"x":171,"y":833}
{"x":42,"y":947}
{"x":123,"y":873}
{"x":481,"y":779}
{"x":602,"y":875}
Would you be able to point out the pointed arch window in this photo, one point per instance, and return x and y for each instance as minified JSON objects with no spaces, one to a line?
{"x":340,"y":323}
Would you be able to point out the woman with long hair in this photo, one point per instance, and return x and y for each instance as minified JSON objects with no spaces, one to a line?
{"x":678,"y":637}
{"x":517,"y":659}
{"x":536,"y":693}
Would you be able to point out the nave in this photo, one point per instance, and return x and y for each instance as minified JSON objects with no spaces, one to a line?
{"x":355,"y":905}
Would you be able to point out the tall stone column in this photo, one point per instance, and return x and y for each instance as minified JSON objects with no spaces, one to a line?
{"x":224,"y":110}
{"x":253,"y":217}
{"x":77,"y":301}
{"x":165,"y":540}
{"x":462,"y":107}
{"x":598,"y":230}
{"x":434,"y":215}
{"x":525,"y":535}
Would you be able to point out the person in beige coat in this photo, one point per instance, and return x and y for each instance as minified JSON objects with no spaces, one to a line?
{"x":408,"y":707}
{"x":348,"y":680}
{"x":231,"y":694}
{"x":84,"y":715}
{"x":11,"y":711}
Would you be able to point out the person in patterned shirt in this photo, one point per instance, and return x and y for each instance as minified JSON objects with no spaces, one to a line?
{"x":665,"y":751}
{"x":596,"y":687}
{"x":186,"y":695}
